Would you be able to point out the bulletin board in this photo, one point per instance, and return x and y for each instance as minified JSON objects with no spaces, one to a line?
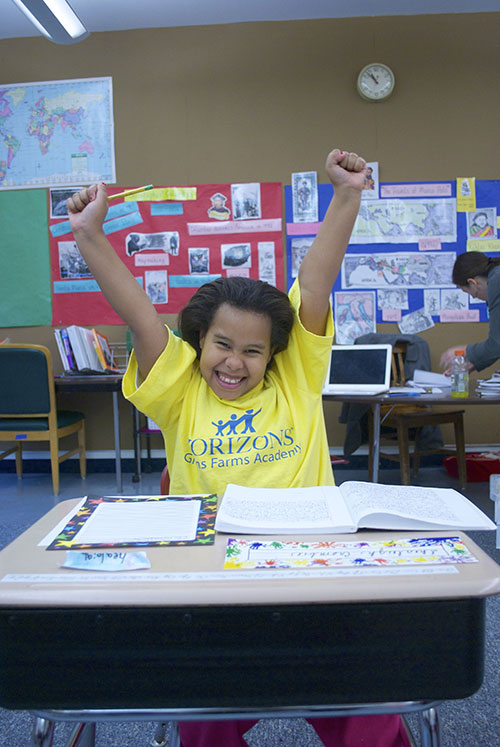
{"x":173,"y":240}
{"x":402,"y":251}
{"x":25,"y":298}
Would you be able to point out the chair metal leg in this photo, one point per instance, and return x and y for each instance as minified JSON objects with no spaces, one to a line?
{"x":429,"y":728}
{"x":174,"y":739}
{"x":83,"y":735}
{"x":160,"y":738}
{"x":43,"y":733}
{"x":160,"y":735}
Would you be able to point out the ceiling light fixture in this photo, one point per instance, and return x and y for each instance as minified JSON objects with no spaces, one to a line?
{"x":55,"y":19}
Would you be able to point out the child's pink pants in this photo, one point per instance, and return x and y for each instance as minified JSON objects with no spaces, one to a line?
{"x":354,"y":731}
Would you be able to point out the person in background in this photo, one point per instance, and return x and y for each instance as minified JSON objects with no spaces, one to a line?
{"x":479,"y":276}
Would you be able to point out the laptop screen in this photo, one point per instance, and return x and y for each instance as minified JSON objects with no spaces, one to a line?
{"x":363,"y":365}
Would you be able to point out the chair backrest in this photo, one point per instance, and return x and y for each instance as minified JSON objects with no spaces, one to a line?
{"x":398,"y":364}
{"x":165,"y":481}
{"x":26,"y":381}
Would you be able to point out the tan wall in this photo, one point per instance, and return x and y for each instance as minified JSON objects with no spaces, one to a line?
{"x":256,"y":101}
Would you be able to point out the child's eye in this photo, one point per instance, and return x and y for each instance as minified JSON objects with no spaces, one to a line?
{"x":253,"y":352}
{"x":222,"y":344}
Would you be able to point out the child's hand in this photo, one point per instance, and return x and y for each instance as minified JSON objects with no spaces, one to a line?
{"x":346,"y":169}
{"x":87,"y":209}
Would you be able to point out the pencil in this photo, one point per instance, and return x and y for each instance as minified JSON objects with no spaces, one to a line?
{"x":130,"y":192}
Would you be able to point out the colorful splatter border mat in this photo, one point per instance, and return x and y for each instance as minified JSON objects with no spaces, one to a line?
{"x":67,"y":539}
{"x":246,"y":554}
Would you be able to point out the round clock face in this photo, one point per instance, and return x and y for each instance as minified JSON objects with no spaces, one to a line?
{"x":375,"y":82}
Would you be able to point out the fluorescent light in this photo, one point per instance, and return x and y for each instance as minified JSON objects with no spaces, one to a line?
{"x":55,"y":19}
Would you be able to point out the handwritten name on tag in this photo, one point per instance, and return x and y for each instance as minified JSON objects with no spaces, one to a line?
{"x":106,"y":561}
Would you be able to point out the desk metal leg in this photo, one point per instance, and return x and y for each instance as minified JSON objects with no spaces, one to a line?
{"x":118,"y":453}
{"x":376,"y":441}
{"x":43,"y":732}
{"x":137,"y":445}
{"x":429,"y":728}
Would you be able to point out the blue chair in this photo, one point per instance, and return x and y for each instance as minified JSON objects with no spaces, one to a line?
{"x":28,"y":409}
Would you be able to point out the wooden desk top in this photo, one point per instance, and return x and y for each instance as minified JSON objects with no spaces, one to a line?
{"x":24,"y":556}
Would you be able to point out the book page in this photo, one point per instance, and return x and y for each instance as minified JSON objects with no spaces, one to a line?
{"x":435,"y":505}
{"x":141,"y":521}
{"x":290,"y":508}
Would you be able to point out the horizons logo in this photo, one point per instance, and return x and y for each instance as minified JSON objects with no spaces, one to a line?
{"x":237,"y":443}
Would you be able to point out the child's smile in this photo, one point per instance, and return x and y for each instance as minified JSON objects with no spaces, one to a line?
{"x":235,"y":351}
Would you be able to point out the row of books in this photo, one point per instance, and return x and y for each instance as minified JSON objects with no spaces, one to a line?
{"x":84,"y":350}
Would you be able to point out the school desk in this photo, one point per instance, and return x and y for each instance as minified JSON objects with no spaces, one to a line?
{"x":71,"y":383}
{"x":441,"y":400}
{"x":176,"y":642}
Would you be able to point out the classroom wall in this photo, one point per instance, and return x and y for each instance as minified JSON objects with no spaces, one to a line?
{"x":256,"y":101}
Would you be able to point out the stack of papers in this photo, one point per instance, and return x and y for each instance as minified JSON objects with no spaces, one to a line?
{"x":430,"y":382}
{"x":489,"y":387}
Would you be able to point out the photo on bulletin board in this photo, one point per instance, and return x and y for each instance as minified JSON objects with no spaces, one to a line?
{"x":173,"y":240}
{"x":371,"y":186}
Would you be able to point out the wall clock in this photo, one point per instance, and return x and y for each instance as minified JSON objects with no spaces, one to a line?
{"x":375,"y":82}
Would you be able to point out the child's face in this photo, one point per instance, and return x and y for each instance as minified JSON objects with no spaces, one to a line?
{"x":235,"y":351}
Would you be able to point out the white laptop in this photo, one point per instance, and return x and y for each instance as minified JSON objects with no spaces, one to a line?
{"x":359,"y":369}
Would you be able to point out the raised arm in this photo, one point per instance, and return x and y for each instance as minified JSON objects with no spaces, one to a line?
{"x":321,"y":265}
{"x":87,"y":210}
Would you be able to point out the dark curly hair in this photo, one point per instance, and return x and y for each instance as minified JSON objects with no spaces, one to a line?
{"x":243,"y":293}
{"x":472,"y":265}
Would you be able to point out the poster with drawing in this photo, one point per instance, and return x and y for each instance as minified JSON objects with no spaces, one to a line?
{"x":432,"y":301}
{"x":392,"y":298}
{"x":454,"y":298}
{"x":415,"y":322}
{"x":305,"y":197}
{"x":354,"y":315}
{"x":481,"y":224}
{"x":400,"y":269}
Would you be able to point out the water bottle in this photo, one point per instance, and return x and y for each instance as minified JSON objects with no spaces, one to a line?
{"x":459,"y":375}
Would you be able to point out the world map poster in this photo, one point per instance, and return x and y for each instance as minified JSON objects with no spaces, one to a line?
{"x":56,"y":133}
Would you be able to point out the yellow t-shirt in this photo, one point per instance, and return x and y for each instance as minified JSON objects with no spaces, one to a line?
{"x":273,"y":436}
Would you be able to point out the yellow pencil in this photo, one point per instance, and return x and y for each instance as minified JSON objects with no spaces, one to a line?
{"x":130,"y":192}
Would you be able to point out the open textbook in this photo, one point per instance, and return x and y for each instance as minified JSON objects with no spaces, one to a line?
{"x":352,"y":506}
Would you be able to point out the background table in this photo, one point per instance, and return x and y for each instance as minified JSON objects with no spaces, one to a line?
{"x":70,"y":383}
{"x":375,"y":402}
{"x":176,"y":639}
